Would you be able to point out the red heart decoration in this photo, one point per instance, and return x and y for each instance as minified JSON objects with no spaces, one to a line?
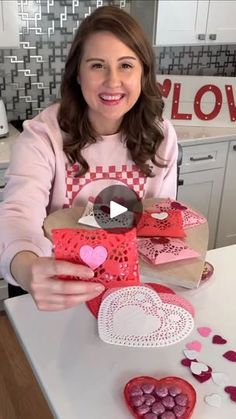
{"x":232,"y":391}
{"x":94,"y":304}
{"x":105,"y":209}
{"x":164,"y":87}
{"x":147,"y":386}
{"x":218,"y":340}
{"x":201,"y":378}
{"x":230,"y":355}
{"x":160,"y":240}
{"x":177,"y":205}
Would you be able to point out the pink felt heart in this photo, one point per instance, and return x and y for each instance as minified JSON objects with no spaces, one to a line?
{"x":230,"y":355}
{"x":231,"y":390}
{"x":204,"y":331}
{"x":93,"y":257}
{"x":195,"y":345}
{"x":218,"y":340}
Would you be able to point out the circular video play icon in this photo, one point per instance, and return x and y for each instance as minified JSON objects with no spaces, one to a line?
{"x":117,"y":208}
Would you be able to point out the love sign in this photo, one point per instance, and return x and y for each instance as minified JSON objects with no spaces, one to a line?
{"x":199,"y":100}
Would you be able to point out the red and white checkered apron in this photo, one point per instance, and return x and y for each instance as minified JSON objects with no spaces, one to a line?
{"x":131,"y":176}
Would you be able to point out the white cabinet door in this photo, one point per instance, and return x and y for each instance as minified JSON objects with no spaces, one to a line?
{"x":227,"y":222}
{"x":181,"y":22}
{"x":189,"y":22}
{"x":221,"y":25}
{"x":9,"y":28}
{"x":202,"y":191}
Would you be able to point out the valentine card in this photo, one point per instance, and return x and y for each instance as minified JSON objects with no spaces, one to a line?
{"x":157,"y":250}
{"x":137,"y":317}
{"x":167,"y":224}
{"x":113,"y":257}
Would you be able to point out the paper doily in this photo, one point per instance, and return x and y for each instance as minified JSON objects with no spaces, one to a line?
{"x":119,"y":267}
{"x":137,"y":317}
{"x":159,"y":250}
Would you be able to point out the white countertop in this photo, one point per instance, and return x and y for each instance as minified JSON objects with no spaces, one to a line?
{"x":187,"y":135}
{"x":190,"y":135}
{"x":5,"y":146}
{"x":81,"y":376}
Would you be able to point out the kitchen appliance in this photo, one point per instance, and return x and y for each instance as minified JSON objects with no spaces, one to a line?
{"x":3,"y":120}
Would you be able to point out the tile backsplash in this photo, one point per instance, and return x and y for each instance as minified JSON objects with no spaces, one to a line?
{"x":30,"y":76}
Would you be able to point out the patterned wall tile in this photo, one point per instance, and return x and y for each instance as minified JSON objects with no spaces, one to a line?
{"x":30,"y":76}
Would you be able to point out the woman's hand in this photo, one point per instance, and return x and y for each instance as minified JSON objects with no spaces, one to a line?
{"x":50,"y":293}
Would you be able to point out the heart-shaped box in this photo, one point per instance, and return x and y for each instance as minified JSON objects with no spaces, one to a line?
{"x":148,"y":385}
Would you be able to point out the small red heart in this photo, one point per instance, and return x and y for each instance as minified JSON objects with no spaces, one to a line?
{"x":145,"y":384}
{"x":201,"y":378}
{"x":160,"y":240}
{"x":231,"y":390}
{"x":105,"y":209}
{"x":218,"y":340}
{"x":230,"y":355}
{"x":177,"y":205}
{"x":164,"y":87}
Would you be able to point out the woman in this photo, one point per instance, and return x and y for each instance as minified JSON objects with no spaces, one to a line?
{"x":107,"y":129}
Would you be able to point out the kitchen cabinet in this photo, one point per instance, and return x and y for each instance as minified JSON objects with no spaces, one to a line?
{"x":199,"y":22}
{"x":9,"y":28}
{"x":201,"y":181}
{"x":226,"y":234}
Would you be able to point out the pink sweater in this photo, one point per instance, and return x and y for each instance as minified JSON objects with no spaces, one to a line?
{"x":40,"y":181}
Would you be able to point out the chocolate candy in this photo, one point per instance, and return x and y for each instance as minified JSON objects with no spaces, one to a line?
{"x":150,"y":416}
{"x":137,"y":400}
{"x":181,"y":400}
{"x":179,"y":411}
{"x":143,"y":409}
{"x":149,"y":399}
{"x":161,"y":391}
{"x":136,"y":391}
{"x":158,"y":408}
{"x":168,"y":402}
{"x":168,"y":415}
{"x":147,"y":388}
{"x":174,"y":391}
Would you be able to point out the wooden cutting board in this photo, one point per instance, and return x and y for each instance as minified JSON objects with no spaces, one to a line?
{"x":186,"y":273}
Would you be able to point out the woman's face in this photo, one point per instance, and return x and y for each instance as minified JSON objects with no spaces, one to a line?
{"x":110,"y":78}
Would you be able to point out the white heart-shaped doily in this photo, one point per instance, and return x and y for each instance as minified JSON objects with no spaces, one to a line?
{"x":159,"y":215}
{"x":136,"y":316}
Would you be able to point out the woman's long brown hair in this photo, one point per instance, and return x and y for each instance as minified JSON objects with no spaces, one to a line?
{"x":141,"y":125}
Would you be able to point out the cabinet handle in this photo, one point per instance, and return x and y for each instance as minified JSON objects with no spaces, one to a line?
{"x":212,"y":36}
{"x":209,"y":157}
{"x":180,"y":182}
{"x":234,"y":147}
{"x":201,"y":37}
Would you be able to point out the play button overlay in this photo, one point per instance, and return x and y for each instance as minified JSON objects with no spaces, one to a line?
{"x":117,"y":208}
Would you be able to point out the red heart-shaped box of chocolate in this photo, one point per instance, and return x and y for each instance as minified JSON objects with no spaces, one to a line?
{"x":144,"y":387}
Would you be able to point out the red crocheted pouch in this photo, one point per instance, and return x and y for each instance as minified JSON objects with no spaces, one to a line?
{"x":113,"y":257}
